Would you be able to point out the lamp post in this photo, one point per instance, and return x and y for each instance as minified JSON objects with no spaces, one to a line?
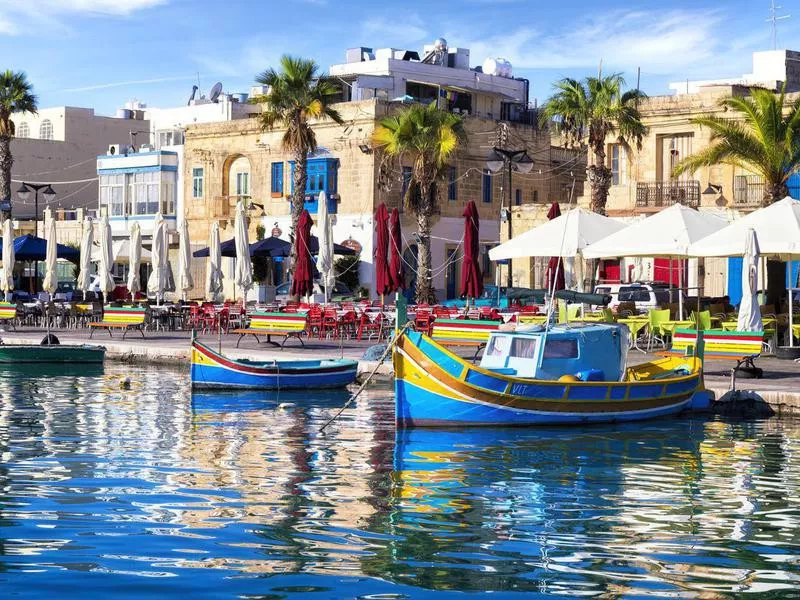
{"x":24,"y":194}
{"x":512,"y":160}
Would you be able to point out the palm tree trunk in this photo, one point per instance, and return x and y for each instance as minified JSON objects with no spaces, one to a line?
{"x":5,"y":168}
{"x":599,"y":176}
{"x":424,"y":289}
{"x":298,"y":195}
{"x":774,"y":192}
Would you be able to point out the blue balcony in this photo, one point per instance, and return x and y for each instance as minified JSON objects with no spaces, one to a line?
{"x":323,"y":176}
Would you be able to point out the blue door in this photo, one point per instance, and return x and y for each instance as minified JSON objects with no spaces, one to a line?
{"x":735,"y":280}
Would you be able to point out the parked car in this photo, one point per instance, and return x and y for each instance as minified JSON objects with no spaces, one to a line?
{"x":490,"y":297}
{"x":340,"y":293}
{"x":644,"y":295}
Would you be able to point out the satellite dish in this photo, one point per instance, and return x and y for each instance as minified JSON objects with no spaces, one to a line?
{"x":213,"y":95}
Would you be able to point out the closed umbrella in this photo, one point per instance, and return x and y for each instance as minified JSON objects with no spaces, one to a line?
{"x":383,"y":282}
{"x":135,"y":260}
{"x":471,"y":279}
{"x":104,"y":268}
{"x":85,"y":274}
{"x":157,"y":282}
{"x":214,"y":268}
{"x":396,"y":270}
{"x":749,"y":311}
{"x":8,"y":257}
{"x":325,"y":256}
{"x":555,"y":266}
{"x":50,"y":283}
{"x":243,"y":276}
{"x":185,"y":281}
{"x":302,"y":279}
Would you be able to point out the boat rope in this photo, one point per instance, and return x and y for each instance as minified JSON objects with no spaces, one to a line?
{"x":363,"y":385}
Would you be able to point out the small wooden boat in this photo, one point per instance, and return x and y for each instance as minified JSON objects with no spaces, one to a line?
{"x":51,"y":353}
{"x":569,"y":374}
{"x":211,"y":369}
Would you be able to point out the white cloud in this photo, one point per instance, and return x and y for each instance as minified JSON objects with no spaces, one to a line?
{"x":114,"y":84}
{"x":25,"y":15}
{"x":385,"y":31}
{"x":106,"y":7}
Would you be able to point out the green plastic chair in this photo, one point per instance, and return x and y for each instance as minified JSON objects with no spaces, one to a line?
{"x":702,"y":319}
{"x":608,"y":315}
{"x":655,"y":319}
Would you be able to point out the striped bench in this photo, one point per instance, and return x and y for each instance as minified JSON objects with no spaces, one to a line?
{"x":742,"y":346}
{"x":463,"y":332}
{"x":8,"y":313}
{"x":286,"y":325}
{"x":121,"y":318}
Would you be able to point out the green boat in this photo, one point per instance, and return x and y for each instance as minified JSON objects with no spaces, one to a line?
{"x":51,"y":353}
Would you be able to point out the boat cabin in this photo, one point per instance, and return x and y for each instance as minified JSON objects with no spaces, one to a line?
{"x":569,"y":352}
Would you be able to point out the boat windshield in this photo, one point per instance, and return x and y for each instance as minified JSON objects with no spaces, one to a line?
{"x":561,"y":348}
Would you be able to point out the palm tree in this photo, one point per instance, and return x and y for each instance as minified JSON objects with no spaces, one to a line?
{"x":295,"y":96}
{"x":429,"y":137}
{"x":762,"y":136}
{"x":586,"y":113}
{"x":16,"y":95}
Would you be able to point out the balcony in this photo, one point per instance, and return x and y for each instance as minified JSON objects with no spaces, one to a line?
{"x":659,"y":194}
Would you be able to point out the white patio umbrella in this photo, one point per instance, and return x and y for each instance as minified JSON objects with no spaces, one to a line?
{"x":157,"y":282}
{"x":214,"y":268}
{"x":325,"y":255}
{"x":243,"y":275}
{"x":185,"y":281}
{"x":667,"y":234}
{"x":104,"y":268}
{"x":120,"y":252}
{"x":134,"y":260}
{"x":85,"y":274}
{"x":7,"y":283}
{"x":749,"y":311}
{"x":50,"y":283}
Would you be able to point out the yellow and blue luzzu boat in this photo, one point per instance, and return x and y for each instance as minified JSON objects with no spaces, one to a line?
{"x":569,"y":374}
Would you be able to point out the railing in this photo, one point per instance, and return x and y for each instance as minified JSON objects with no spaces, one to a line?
{"x":748,"y":190}
{"x":666,"y":193}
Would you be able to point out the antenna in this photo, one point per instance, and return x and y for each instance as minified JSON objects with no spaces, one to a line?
{"x":213,"y":95}
{"x":773,"y":19}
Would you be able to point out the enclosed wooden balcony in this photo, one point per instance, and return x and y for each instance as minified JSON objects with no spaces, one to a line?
{"x":660,"y":194}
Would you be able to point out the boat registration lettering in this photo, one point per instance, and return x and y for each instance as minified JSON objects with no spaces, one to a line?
{"x":537,"y":391}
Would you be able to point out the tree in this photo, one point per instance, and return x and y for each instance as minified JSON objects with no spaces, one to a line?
{"x":429,"y":137}
{"x":297,"y":95}
{"x":586,"y":113}
{"x":16,"y":95}
{"x":762,"y":136}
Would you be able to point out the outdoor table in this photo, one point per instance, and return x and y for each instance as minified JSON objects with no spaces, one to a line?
{"x":594,"y":317}
{"x":532,"y":319}
{"x":635,"y":325}
{"x":733,"y":325}
{"x":669,"y":327}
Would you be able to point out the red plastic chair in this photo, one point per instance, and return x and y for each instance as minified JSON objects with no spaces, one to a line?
{"x":368,"y":327}
{"x":314,"y":321}
{"x":330,"y":323}
{"x":423,"y":321}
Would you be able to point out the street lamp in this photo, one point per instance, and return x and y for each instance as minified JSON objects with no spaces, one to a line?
{"x":512,"y":160}
{"x":24,"y":194}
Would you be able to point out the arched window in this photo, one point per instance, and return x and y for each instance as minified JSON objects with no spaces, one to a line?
{"x":23,"y":131}
{"x":239,"y":178}
{"x":46,"y":130}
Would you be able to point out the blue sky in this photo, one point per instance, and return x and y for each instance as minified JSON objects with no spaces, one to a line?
{"x":100,"y":53}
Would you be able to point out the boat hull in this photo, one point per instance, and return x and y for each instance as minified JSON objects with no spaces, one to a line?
{"x":435,"y":388}
{"x":212,"y":370}
{"x":56,"y":353}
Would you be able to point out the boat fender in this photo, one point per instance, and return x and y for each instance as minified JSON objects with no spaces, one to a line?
{"x":286,"y":405}
{"x":49,"y":340}
{"x":568,"y":379}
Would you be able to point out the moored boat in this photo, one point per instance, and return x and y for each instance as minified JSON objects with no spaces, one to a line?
{"x":213,"y":370}
{"x":51,"y":353}
{"x":567,"y":374}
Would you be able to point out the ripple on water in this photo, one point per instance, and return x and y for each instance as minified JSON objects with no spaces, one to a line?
{"x":151,"y":491}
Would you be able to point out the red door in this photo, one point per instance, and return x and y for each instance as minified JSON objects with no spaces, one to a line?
{"x":666,"y":270}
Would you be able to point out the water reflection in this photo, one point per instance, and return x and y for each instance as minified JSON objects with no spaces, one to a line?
{"x":164,"y":492}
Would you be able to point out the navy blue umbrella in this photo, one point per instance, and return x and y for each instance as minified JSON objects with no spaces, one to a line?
{"x":29,"y":247}
{"x":273,"y":247}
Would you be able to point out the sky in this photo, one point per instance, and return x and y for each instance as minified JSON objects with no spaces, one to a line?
{"x":101,"y":53}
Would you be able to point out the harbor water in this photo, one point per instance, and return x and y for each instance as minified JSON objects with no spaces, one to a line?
{"x":121,"y":483}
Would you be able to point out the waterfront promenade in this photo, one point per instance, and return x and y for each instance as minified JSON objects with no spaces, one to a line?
{"x":780,"y":386}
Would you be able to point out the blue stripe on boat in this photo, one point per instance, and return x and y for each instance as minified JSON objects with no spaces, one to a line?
{"x":618,"y":392}
{"x":485,"y":381}
{"x":533,"y":390}
{"x":681,"y":387}
{"x":639,"y":392}
{"x":448,"y":363}
{"x":583,"y":392}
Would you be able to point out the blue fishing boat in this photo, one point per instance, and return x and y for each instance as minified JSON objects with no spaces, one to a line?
{"x":212,"y":370}
{"x":568,"y":374}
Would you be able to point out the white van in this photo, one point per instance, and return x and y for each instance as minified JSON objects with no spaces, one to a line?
{"x":644,"y":295}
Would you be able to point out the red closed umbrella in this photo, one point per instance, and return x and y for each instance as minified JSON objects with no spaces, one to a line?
{"x":303,"y":278}
{"x":383,"y":282}
{"x":397,"y":272}
{"x":471,"y":278}
{"x":555,"y":266}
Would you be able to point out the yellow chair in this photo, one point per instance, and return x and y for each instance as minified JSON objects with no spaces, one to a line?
{"x":655,"y":319}
{"x":608,"y":315}
{"x":702,"y":319}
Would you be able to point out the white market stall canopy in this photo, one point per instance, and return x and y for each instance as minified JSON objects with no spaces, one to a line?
{"x":777,"y":227}
{"x":120,"y":252}
{"x":565,"y":236}
{"x":668,"y":233}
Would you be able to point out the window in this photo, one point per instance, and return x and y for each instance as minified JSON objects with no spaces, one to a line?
{"x":172,"y":137}
{"x":277,"y":180}
{"x":407,"y":172}
{"x":197,"y":182}
{"x":168,"y":192}
{"x":619,"y":164}
{"x":46,"y":130}
{"x":524,"y":347}
{"x":243,"y":184}
{"x":452,"y":185}
{"x":487,"y":186}
{"x":561,"y":349}
{"x":518,"y":196}
{"x":112,"y":194}
{"x":144,"y":193}
{"x":23,"y":131}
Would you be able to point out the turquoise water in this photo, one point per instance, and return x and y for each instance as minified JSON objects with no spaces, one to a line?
{"x":149,"y":492}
